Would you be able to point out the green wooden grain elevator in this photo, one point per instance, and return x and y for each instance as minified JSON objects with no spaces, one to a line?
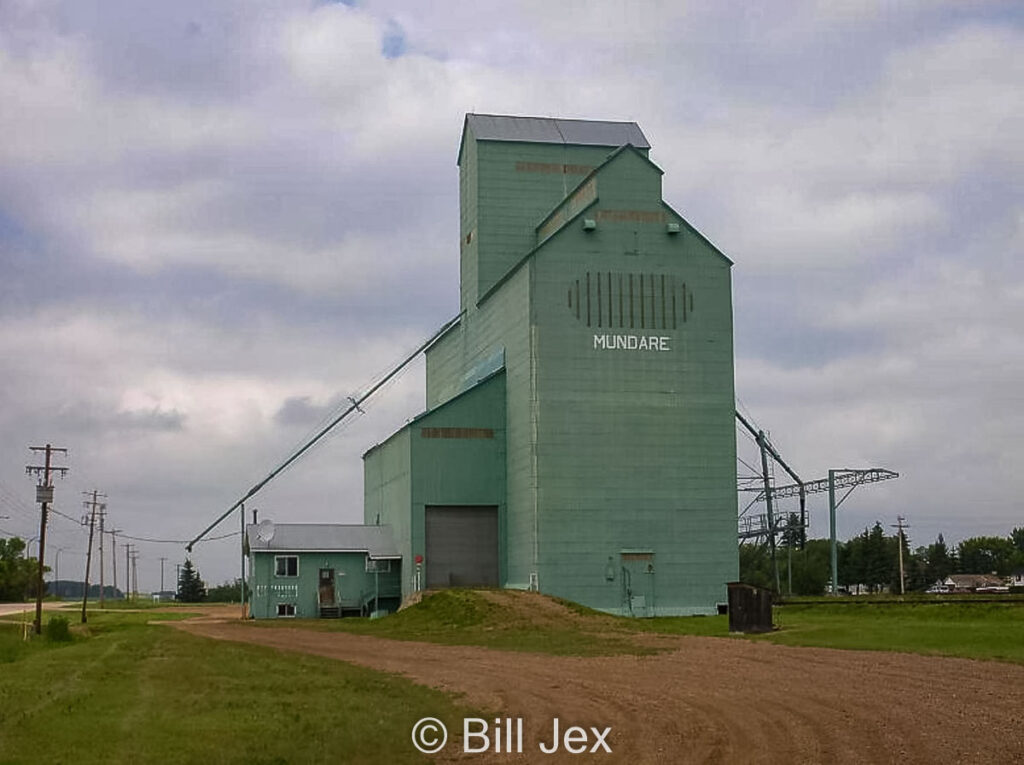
{"x":579,"y":435}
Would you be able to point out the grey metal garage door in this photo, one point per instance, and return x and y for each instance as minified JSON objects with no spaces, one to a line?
{"x":462,"y":546}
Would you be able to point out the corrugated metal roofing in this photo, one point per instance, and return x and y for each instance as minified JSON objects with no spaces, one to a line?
{"x":495,"y":127}
{"x":377,"y":541}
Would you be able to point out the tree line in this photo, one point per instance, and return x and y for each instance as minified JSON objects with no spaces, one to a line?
{"x":872,"y":559}
{"x":19,"y":574}
{"x":192,"y":589}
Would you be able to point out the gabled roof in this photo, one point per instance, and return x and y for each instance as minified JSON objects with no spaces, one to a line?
{"x":500,"y":127}
{"x":487,"y":370}
{"x":375,"y":541}
{"x":592,"y":174}
{"x":973,"y":580}
{"x":629,"y":148}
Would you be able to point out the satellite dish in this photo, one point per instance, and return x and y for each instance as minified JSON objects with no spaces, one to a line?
{"x":265,"y":531}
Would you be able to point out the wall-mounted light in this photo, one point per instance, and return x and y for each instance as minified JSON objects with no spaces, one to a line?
{"x":589,"y":224}
{"x":673,"y":228}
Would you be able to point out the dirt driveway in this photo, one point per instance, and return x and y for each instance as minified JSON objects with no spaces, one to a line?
{"x":709,"y":700}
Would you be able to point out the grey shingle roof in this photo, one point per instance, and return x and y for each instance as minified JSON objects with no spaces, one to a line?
{"x":377,"y":541}
{"x":495,"y":127}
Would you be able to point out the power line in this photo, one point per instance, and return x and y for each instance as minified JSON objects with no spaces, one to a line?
{"x":10,"y":501}
{"x":178,"y":541}
{"x":326,"y":429}
{"x":67,"y":517}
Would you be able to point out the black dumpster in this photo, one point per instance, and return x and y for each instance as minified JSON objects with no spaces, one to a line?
{"x":750,"y":608}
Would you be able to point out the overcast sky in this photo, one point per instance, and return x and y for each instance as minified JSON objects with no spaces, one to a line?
{"x":219,"y":220}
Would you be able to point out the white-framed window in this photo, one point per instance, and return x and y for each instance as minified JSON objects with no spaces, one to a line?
{"x":378,"y":566}
{"x":286,"y":609}
{"x":286,"y":565}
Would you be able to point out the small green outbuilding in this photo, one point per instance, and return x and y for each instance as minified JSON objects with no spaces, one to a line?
{"x":321,"y":570}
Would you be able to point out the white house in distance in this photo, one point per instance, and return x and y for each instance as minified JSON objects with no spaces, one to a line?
{"x":971,"y":583}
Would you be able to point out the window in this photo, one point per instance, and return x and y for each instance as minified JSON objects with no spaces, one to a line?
{"x":286,"y":565}
{"x":286,"y":609}
{"x":378,"y":566}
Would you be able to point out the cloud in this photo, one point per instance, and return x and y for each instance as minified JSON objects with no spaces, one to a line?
{"x":218,"y":222}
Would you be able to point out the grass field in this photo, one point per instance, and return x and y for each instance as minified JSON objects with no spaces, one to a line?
{"x":979,"y":630}
{"x":128,"y":691}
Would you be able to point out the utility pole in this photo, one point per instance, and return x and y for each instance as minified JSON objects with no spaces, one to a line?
{"x":94,"y":504}
{"x":900,"y":524}
{"x":135,"y":574}
{"x":44,"y":496}
{"x":103,"y":515}
{"x":56,"y":572}
{"x":762,"y":445}
{"x":113,"y":556}
{"x":241,"y":581}
{"x":177,"y":580}
{"x":789,"y":546}
{"x":833,"y":546}
{"x":162,"y":576}
{"x":127,"y":571}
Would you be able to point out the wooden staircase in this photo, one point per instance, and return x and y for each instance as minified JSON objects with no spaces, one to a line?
{"x":330,"y":612}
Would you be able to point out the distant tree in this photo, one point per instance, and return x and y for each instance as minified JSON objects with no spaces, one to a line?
{"x":984,"y":555}
{"x":812,"y":567}
{"x":878,"y":561}
{"x":938,"y":563}
{"x":17,"y":574}
{"x":756,"y":566}
{"x":191,"y":588}
{"x":1017,"y":537}
{"x":917,"y":573}
{"x":851,"y":559}
{"x":228,"y":592}
{"x":792,"y":531}
{"x":863,"y":560}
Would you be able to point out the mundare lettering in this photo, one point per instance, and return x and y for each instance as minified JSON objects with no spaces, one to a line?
{"x":632,"y":343}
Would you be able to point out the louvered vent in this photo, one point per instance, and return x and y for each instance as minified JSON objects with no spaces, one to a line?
{"x":630,"y":301}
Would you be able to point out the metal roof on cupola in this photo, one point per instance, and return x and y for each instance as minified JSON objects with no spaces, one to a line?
{"x":574,"y":132}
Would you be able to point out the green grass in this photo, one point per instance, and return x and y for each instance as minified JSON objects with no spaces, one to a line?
{"x":137,"y":604}
{"x":125,"y":691}
{"x":973,"y":630}
{"x":910,"y":598}
{"x":701,"y":626}
{"x":961,"y":628}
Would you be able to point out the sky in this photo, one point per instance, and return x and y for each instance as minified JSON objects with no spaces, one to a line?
{"x":218,"y":221}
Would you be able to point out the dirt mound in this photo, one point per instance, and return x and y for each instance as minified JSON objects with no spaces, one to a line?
{"x":542,"y":610}
{"x":502,"y":610}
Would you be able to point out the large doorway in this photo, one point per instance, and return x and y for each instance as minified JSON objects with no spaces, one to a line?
{"x":462,"y":546}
